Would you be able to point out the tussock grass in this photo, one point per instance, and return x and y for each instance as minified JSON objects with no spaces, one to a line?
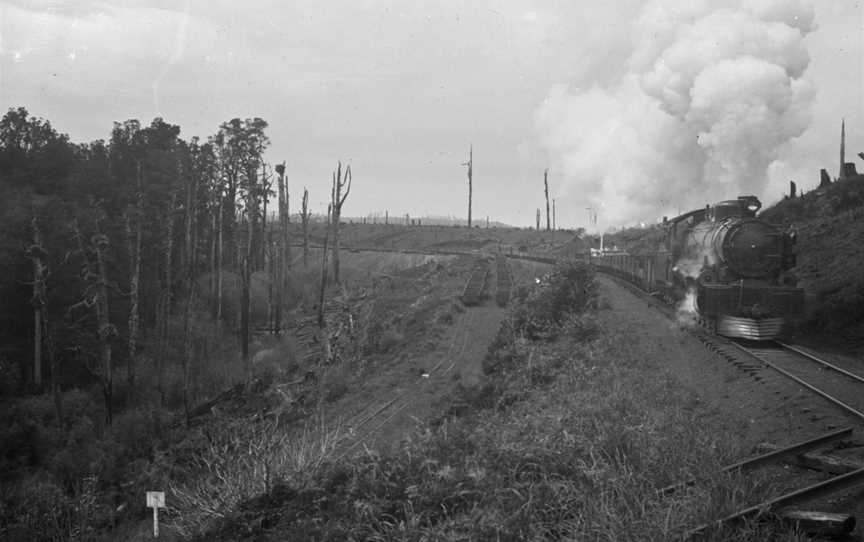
{"x":229,"y":463}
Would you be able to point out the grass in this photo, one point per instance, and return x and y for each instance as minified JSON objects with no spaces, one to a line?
{"x":230,"y":463}
{"x":569,"y":438}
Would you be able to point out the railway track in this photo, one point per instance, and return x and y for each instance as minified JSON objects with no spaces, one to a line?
{"x":841,"y":387}
{"x":812,"y":395}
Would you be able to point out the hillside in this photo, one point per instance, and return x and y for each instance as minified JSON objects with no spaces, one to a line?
{"x":830,"y":257}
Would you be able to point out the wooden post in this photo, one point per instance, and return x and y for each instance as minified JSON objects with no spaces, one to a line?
{"x":156,"y":500}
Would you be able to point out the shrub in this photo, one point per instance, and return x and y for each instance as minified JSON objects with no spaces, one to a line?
{"x":541,"y":309}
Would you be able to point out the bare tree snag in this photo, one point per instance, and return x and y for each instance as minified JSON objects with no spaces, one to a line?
{"x":305,"y":214}
{"x":165,"y":301}
{"x":546,"y":191}
{"x":96,"y":296}
{"x":36,"y":253}
{"x":283,"y":248}
{"x":324,"y":269}
{"x":554,"y":225}
{"x":191,"y":242}
{"x":538,"y":219}
{"x":323,"y":333}
{"x":470,"y":164}
{"x":134,"y":242}
{"x":337,"y":198}
{"x":218,"y":260}
{"x":42,"y":340}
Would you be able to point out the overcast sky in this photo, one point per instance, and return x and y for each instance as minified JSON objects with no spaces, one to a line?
{"x":593,"y":91}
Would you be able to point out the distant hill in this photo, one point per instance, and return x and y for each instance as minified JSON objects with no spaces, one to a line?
{"x":378,"y":218}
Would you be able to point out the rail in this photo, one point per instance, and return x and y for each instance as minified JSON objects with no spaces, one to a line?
{"x":822,"y":362}
{"x":847,"y":408}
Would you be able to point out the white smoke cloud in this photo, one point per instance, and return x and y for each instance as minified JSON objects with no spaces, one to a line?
{"x":711,"y":92}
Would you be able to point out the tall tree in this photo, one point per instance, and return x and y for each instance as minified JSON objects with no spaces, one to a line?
{"x":341,"y":181}
{"x":192,"y":173}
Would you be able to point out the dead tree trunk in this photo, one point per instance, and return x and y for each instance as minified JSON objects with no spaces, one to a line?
{"x":134,"y":241}
{"x":554,"y":225}
{"x":42,"y":340}
{"x":283,"y":250}
{"x":304,"y":218}
{"x":96,"y":296}
{"x":324,"y":338}
{"x":166,"y":298}
{"x":470,"y":164}
{"x":546,"y":191}
{"x":220,"y":247}
{"x":337,"y":199}
{"x":245,"y":301}
{"x":191,"y":242}
{"x":37,"y":252}
{"x":106,"y":330}
{"x":538,"y":219}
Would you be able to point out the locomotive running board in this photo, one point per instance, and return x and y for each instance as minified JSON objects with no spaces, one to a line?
{"x":750,"y":328}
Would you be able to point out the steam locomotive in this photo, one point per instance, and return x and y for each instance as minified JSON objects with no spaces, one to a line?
{"x":732,"y":269}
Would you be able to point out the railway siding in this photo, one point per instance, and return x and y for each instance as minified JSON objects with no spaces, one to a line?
{"x":475,"y":289}
{"x":504,"y":281}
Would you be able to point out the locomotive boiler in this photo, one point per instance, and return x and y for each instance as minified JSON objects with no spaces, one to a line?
{"x":728,"y":266}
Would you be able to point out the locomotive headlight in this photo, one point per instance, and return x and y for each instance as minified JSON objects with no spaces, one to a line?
{"x":707,"y":277}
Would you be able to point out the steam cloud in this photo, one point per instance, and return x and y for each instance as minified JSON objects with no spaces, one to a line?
{"x":710,"y":92}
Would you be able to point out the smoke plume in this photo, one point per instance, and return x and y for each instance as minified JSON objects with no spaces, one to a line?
{"x":709,"y":93}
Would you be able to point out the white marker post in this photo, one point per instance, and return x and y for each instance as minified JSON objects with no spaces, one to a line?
{"x":156,"y":500}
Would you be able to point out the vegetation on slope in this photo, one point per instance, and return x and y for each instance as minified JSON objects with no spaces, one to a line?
{"x":830,"y":256}
{"x":569,"y":438}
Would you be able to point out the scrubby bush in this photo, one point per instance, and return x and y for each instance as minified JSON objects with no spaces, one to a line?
{"x":542,"y":308}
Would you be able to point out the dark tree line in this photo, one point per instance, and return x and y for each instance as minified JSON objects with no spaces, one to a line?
{"x":113,"y":250}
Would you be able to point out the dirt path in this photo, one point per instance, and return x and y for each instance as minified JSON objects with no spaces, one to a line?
{"x":402,"y":392}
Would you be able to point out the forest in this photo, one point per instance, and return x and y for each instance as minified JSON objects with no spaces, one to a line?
{"x":126,"y":273}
